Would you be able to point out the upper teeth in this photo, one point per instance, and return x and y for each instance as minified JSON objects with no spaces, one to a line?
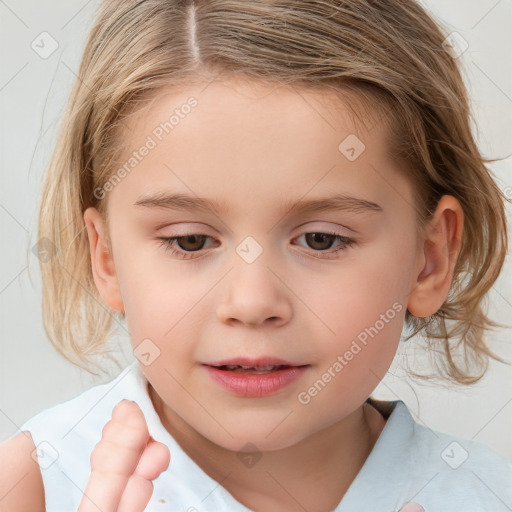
{"x":235,"y":366}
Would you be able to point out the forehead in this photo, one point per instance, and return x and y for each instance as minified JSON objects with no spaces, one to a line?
{"x":247,"y":117}
{"x":244,"y":140}
{"x":360,"y":109}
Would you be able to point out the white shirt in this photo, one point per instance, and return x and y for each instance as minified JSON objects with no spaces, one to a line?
{"x":409,"y":462}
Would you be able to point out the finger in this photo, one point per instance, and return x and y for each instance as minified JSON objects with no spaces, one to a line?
{"x":154,"y":460}
{"x":115,"y":458}
{"x":136,"y":495}
{"x":124,"y":438}
{"x":103,"y":492}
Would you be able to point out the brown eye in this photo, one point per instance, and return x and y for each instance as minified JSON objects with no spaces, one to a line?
{"x":184,"y":246}
{"x":191,"y":242}
{"x":320,"y":241}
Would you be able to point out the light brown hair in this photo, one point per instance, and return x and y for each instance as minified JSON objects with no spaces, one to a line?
{"x":389,"y":53}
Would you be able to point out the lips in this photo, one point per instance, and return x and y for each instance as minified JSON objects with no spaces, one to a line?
{"x":254,"y":378}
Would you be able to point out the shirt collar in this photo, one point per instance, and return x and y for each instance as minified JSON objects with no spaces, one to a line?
{"x":389,"y":460}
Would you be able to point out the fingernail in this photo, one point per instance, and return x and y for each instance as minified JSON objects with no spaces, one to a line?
{"x":412,"y":507}
{"x":119,"y":403}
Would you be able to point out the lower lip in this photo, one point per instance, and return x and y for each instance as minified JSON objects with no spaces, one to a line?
{"x":256,"y":385}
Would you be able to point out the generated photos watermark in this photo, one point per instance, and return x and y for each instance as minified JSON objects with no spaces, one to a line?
{"x":152,"y":140}
{"x":357,"y":345}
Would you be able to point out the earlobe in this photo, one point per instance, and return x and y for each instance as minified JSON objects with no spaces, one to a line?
{"x":441,"y":245}
{"x":102,"y":262}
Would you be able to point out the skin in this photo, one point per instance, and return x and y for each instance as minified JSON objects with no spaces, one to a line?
{"x":254,"y":147}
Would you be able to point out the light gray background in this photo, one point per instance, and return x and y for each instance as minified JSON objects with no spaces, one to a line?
{"x":33,"y":92}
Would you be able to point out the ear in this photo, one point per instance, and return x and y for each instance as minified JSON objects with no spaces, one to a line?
{"x":440,"y":247}
{"x":102,"y":261}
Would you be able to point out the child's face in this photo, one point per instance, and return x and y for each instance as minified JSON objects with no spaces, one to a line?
{"x":257,"y":151}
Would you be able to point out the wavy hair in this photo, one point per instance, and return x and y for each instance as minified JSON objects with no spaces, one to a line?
{"x":391,"y":54}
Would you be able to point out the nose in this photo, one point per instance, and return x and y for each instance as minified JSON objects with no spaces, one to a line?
{"x":254,"y":294}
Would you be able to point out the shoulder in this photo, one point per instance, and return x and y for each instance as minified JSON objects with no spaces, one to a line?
{"x":21,"y":483}
{"x":458,"y":474}
{"x":412,"y":462}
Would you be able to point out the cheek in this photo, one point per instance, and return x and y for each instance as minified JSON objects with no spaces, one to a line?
{"x":363,"y":312}
{"x":355,"y":361}
{"x":371,"y":285}
{"x":353,"y":367}
{"x":368,"y":334}
{"x":153,"y":298}
{"x":148,"y":281}
{"x":375,"y":313}
{"x":166,"y":304}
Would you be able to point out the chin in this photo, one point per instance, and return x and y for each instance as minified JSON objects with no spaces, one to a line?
{"x":243,"y":439}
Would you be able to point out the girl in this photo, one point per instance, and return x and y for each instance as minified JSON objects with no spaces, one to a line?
{"x":265,"y":193}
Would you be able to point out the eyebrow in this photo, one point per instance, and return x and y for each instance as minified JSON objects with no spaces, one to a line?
{"x":338,"y":202}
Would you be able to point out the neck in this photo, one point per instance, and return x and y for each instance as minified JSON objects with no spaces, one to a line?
{"x":284,"y":479}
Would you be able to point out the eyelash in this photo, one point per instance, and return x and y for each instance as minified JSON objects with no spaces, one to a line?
{"x":169,"y":244}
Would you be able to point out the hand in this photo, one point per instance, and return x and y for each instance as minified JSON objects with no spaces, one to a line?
{"x":124,"y":463}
